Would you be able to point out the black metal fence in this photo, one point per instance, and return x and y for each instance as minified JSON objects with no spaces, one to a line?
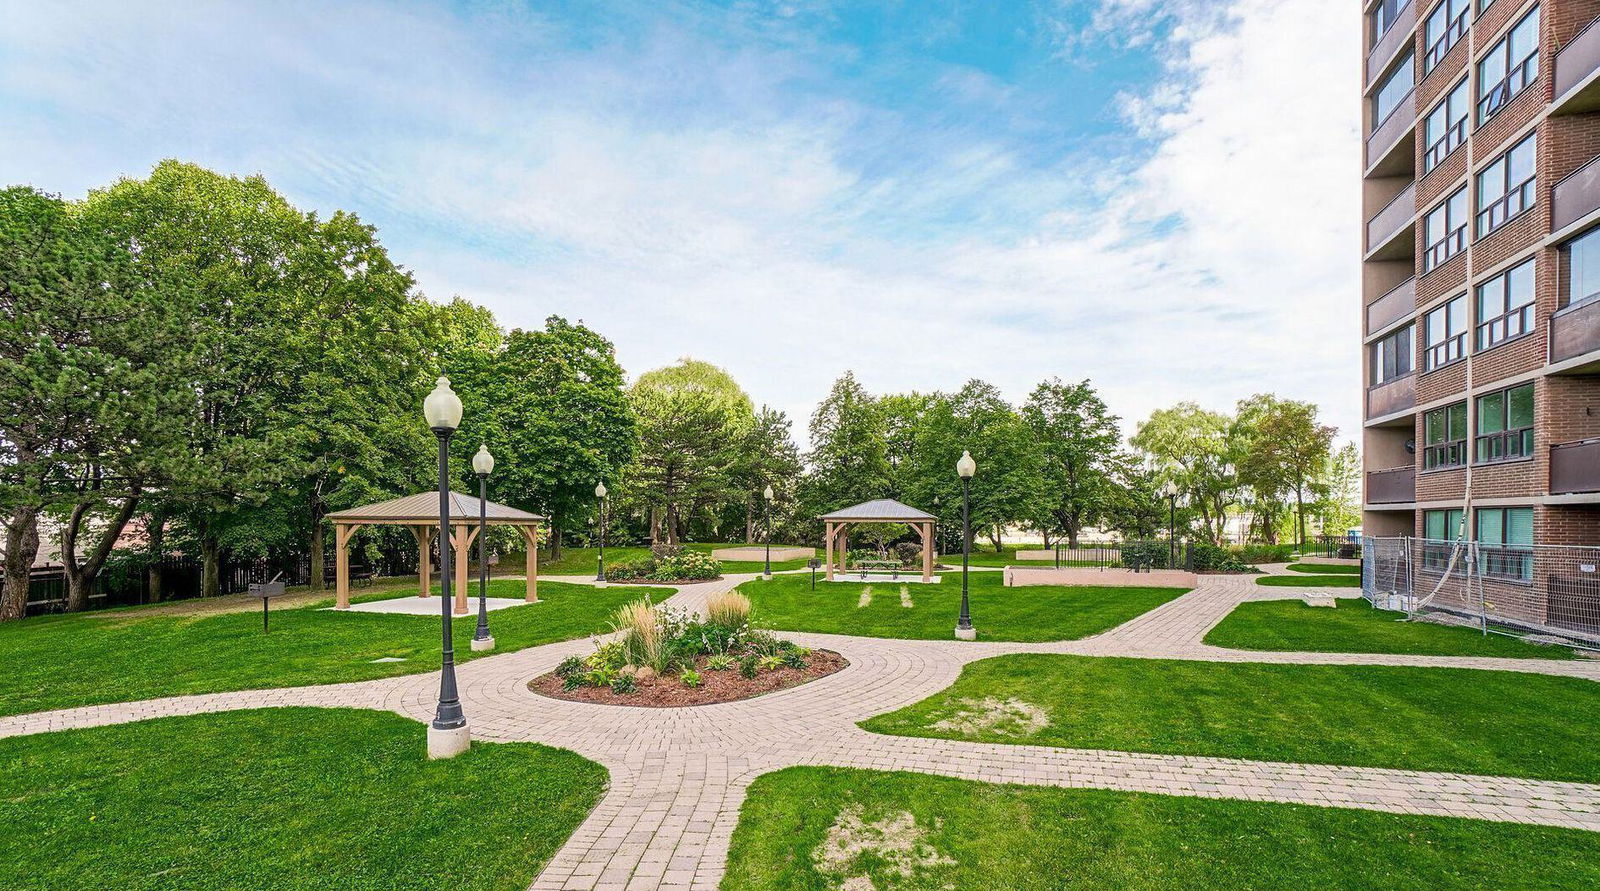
{"x":128,"y":582}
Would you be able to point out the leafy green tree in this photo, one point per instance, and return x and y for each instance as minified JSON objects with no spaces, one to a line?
{"x":1283,"y":454}
{"x":849,"y":458}
{"x":692,"y":416}
{"x":1136,"y":508}
{"x":1195,"y":448}
{"x":550,"y":406}
{"x":1077,"y":438}
{"x":1339,"y":508}
{"x":767,"y":455}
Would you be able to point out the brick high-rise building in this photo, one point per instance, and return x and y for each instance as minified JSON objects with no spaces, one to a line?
{"x":1481,"y":274}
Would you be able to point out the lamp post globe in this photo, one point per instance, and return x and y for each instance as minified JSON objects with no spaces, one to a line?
{"x":482,"y":465}
{"x":966,"y":468}
{"x":448,"y":735}
{"x":600,"y":568}
{"x":766,"y":503}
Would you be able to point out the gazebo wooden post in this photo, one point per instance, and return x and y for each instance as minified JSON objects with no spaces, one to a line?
{"x":531,"y":535}
{"x":341,"y":563}
{"x":927,"y":550}
{"x":843,"y":548}
{"x":827,"y":543}
{"x":461,"y":542}
{"x":424,"y":536}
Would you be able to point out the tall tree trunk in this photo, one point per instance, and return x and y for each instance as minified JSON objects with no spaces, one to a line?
{"x":994,"y":536}
{"x":1300,"y":508}
{"x":749,"y":522}
{"x":655,"y":526}
{"x":210,"y":565}
{"x":156,"y":532}
{"x":555,"y":537}
{"x":318,"y":562}
{"x":22,"y":547}
{"x":81,"y":576}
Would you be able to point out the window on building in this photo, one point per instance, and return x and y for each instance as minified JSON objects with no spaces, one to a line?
{"x":1439,"y":526}
{"x":1505,"y":425}
{"x":1446,"y":126}
{"x":1506,"y":187}
{"x":1395,"y":87}
{"x":1505,"y":305}
{"x":1509,"y":66}
{"x":1446,"y":331}
{"x":1446,"y":24}
{"x":1505,"y":542}
{"x":1445,"y":227}
{"x":1583,"y":268}
{"x":1385,"y":15}
{"x":1391,"y":356}
{"x":1444,"y":437}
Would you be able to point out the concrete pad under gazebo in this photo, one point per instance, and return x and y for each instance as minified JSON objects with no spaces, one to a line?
{"x":420,"y":514}
{"x":836,"y":529}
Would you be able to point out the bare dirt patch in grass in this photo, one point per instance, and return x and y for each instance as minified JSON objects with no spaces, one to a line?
{"x":895,"y":842}
{"x":991,"y":715}
{"x":716,"y":686}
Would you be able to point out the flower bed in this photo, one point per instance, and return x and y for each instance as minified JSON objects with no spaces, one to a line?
{"x":666,"y":567}
{"x":666,"y":657}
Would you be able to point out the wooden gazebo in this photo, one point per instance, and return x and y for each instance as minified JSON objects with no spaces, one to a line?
{"x":836,"y":534}
{"x":420,"y":514}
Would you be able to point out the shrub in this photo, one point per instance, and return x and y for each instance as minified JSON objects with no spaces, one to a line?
{"x":764,"y":643}
{"x":690,"y":677}
{"x":643,"y":638}
{"x":909,"y":553}
{"x":794,"y":659}
{"x":1145,"y":553}
{"x":687,"y":566}
{"x":728,"y":609}
{"x":608,"y":655}
{"x":572,"y":682}
{"x":771,"y":663}
{"x":1264,"y":553}
{"x":599,"y":677}
{"x":1208,"y":557}
{"x":630,"y":570}
{"x":720,"y":662}
{"x":623,"y":684}
{"x":749,"y":665}
{"x":570,"y":667}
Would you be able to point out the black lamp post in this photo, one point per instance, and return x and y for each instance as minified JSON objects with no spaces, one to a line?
{"x":1171,"y":493}
{"x":966,"y":467}
{"x":482,"y":465}
{"x":449,"y":735}
{"x":600,"y":570}
{"x":766,"y":520}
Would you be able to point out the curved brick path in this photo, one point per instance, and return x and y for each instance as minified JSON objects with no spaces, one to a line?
{"x":678,"y":776}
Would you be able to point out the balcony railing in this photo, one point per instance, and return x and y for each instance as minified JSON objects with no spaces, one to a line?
{"x":1394,"y":219}
{"x":1575,"y":467}
{"x":1576,"y":196}
{"x":1399,"y":33}
{"x":1394,"y":486}
{"x":1392,"y":396}
{"x":1574,"y":63}
{"x":1402,"y":120}
{"x":1575,"y":331}
{"x":1399,"y":303}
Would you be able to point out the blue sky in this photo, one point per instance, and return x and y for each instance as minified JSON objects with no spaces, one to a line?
{"x":921,"y":192}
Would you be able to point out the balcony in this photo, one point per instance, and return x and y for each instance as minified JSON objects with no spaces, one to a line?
{"x":1399,"y":303}
{"x":1576,"y":197}
{"x":1392,"y":147}
{"x":1390,"y":234}
{"x":1390,"y":42}
{"x":1575,"y":467}
{"x":1392,"y":397}
{"x":1578,"y":73}
{"x":1395,"y":486}
{"x":1574,"y":335}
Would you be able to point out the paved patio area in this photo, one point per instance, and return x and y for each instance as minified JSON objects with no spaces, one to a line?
{"x":412,"y":605}
{"x":678,"y":776}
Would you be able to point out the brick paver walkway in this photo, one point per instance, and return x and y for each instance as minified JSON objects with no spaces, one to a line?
{"x":678,"y":776}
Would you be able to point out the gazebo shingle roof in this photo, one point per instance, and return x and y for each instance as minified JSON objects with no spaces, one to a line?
{"x":881,"y":510}
{"x":424,"y":507}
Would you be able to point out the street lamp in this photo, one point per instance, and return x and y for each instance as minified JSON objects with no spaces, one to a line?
{"x":449,"y":735}
{"x":966,"y":467}
{"x":766,"y":505}
{"x":1171,"y":493}
{"x":600,"y":572}
{"x":482,"y":464}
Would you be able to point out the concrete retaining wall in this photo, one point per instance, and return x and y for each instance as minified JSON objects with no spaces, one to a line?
{"x":757,"y":553}
{"x":1021,"y":576}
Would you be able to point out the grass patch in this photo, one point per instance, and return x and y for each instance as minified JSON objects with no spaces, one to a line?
{"x":1439,"y":719}
{"x":282,"y":798}
{"x":1033,"y":613}
{"x":1324,"y":568}
{"x":981,"y":836}
{"x":1355,"y":627}
{"x":1310,"y":581}
{"x":118,"y":655}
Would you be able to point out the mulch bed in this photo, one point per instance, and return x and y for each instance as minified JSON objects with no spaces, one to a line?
{"x":717,"y":686}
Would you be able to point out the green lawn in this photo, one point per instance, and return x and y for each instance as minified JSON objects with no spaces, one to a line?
{"x":1330,"y":580}
{"x":979,"y":836}
{"x":1355,"y":627}
{"x":1325,"y":568}
{"x":1440,"y":719}
{"x":120,"y":655}
{"x":1034,"y":613}
{"x":292,"y":798}
{"x":582,"y":561}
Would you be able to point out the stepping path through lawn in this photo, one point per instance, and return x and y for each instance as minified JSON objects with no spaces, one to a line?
{"x":678,"y":776}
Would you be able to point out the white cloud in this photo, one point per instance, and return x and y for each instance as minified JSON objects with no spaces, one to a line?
{"x":687,"y":198}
